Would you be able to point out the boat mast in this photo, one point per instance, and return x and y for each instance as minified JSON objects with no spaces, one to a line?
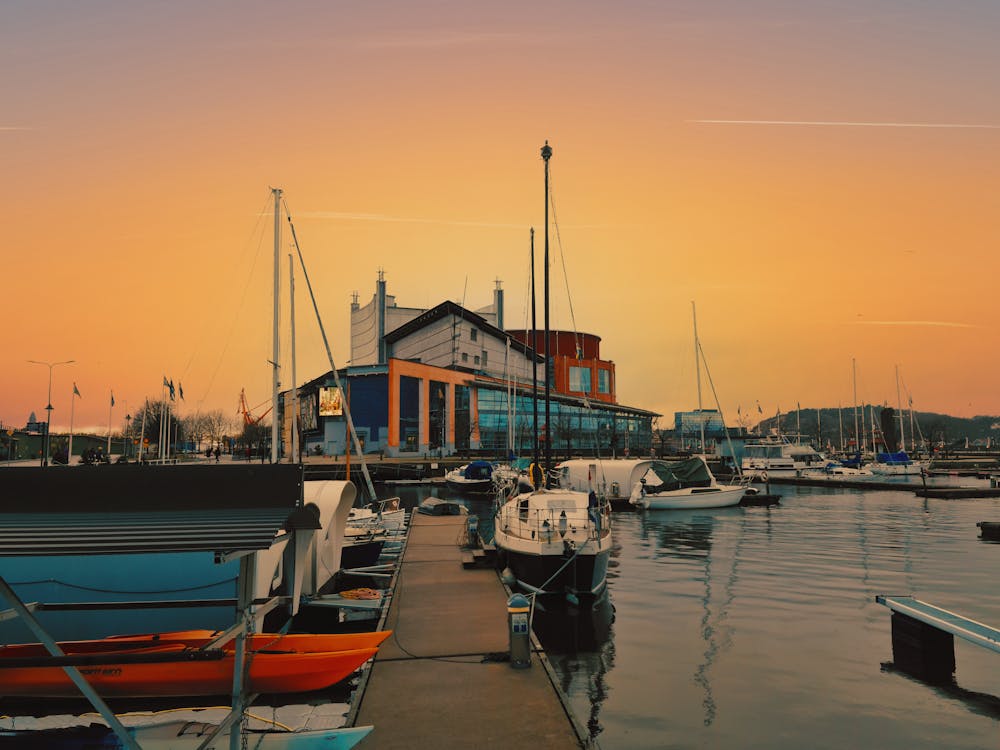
{"x":697,"y":370}
{"x":275,"y":348}
{"x":840,"y":421}
{"x":899,"y":405}
{"x":857,"y":435}
{"x":546,"y":155}
{"x":534,"y":363}
{"x":294,"y":457}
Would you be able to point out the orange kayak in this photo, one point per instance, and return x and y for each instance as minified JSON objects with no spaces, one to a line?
{"x":306,"y":642}
{"x":270,"y":672}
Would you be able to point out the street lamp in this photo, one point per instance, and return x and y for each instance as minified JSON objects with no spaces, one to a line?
{"x":48,"y":407}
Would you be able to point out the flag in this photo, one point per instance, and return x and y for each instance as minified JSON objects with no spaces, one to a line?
{"x":738,"y":410}
{"x":112,"y":398}
{"x":180,"y":388}
{"x":759,"y":410}
{"x":75,"y":391}
{"x":165,"y":383}
{"x":170,"y":385}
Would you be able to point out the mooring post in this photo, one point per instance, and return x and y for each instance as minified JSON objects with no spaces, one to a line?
{"x":921,"y":650}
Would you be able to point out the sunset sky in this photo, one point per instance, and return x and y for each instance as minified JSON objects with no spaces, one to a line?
{"x":821,"y":178}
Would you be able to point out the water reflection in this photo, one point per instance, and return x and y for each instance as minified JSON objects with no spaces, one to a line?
{"x":688,"y":536}
{"x":579,"y":642}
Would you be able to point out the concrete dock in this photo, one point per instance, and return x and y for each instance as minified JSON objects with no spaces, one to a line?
{"x":435,"y":682}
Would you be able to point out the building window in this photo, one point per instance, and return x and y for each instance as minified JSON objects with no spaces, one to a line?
{"x":476,"y":359}
{"x":465,"y":357}
{"x":604,"y":381}
{"x":484,"y":358}
{"x":474,"y":334}
{"x":579,"y":379}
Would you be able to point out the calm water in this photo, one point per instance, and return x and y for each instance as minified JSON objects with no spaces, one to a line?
{"x":757,"y":627}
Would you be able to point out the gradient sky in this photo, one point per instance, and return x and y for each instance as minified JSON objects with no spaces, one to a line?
{"x":820,"y":178}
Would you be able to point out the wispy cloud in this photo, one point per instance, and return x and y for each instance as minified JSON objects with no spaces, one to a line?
{"x":914,"y":323}
{"x":849,"y":124}
{"x":468,"y":38}
{"x":14,"y":127}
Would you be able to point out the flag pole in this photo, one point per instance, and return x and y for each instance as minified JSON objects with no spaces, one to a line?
{"x":72,"y":404}
{"x":109,"y":424}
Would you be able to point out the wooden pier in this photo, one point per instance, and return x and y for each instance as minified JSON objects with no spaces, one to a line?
{"x":437,"y":681}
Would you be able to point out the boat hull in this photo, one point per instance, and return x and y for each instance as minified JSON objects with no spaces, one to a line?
{"x":705,"y":498}
{"x":582,"y":574}
{"x":477,"y":486}
{"x":179,"y":735}
{"x":270,"y":672}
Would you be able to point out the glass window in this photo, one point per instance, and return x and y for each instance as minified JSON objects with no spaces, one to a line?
{"x":476,"y":359}
{"x":579,"y":379}
{"x":604,"y":381}
{"x":474,"y":334}
{"x":484,"y":358}
{"x":465,"y":357}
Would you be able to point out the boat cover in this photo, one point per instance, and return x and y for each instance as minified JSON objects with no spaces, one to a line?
{"x":680,"y":474}
{"x":479,"y":470}
{"x":899,"y":457}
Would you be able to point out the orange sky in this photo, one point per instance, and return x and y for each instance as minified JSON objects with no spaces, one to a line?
{"x":138,"y":144}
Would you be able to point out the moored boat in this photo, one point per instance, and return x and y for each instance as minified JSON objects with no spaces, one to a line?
{"x":473,"y":477}
{"x":683,"y":484}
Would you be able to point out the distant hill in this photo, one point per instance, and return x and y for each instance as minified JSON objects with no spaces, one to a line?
{"x":940,"y":429}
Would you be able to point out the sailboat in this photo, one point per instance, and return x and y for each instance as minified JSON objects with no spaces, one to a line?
{"x":689,"y":483}
{"x":552,"y":540}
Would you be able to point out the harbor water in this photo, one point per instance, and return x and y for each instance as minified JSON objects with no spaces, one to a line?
{"x":757,"y":627}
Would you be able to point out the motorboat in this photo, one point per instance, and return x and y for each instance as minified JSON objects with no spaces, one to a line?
{"x":386,"y":513}
{"x":683,"y":484}
{"x":777,"y":456}
{"x":611,"y":479}
{"x":473,"y":477}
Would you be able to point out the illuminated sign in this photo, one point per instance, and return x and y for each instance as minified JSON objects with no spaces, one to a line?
{"x":330,"y":402}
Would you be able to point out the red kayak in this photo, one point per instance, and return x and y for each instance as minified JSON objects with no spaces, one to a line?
{"x":174,"y":664}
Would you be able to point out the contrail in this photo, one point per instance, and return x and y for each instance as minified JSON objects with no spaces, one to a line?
{"x":834,"y":123}
{"x":937,"y":323}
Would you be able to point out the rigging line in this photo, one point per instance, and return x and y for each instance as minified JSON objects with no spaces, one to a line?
{"x":329,"y":355}
{"x":243,"y":297}
{"x":732,"y":452}
{"x":562,"y":257}
{"x":572,"y":315}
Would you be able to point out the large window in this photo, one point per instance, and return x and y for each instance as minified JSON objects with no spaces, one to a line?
{"x":579,"y":379}
{"x":409,"y":414}
{"x":604,"y":381}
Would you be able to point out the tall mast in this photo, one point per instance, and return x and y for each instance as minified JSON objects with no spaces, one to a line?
{"x":840,"y":421}
{"x":275,"y":349}
{"x":546,"y":155}
{"x":697,"y":369}
{"x":857,"y":435}
{"x":899,"y":406}
{"x":294,"y":442}
{"x":534,"y":361}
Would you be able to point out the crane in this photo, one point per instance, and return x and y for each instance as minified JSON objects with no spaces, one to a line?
{"x":249,"y":420}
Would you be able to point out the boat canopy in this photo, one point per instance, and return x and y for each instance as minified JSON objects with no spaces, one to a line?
{"x":899,"y":457}
{"x":692,"y":472}
{"x":479,"y":470}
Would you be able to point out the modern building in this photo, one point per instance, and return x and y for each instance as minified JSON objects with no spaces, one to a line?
{"x":450,"y":380}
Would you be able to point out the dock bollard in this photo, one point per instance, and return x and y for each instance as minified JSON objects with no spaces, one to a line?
{"x":518,"y":608}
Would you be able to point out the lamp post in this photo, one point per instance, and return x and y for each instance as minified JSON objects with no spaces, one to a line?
{"x":128,"y":436}
{"x":48,"y":406}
